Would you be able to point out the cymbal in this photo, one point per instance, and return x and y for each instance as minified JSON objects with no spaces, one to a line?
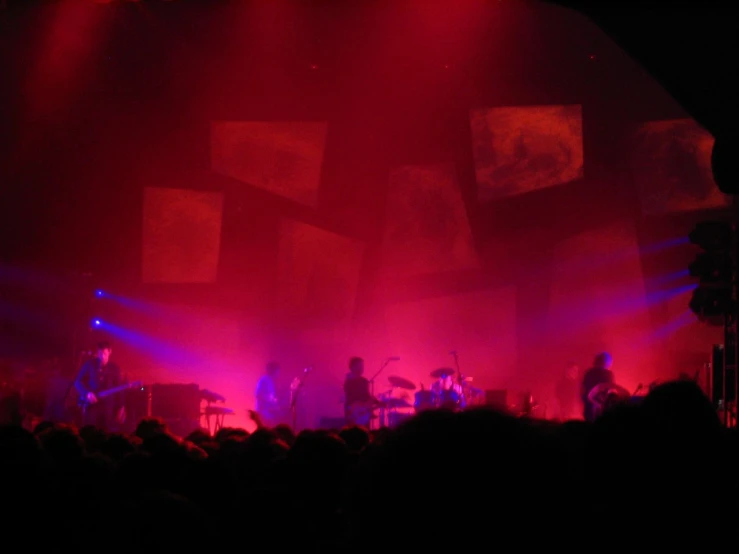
{"x":401,"y":382}
{"x":442,"y":372}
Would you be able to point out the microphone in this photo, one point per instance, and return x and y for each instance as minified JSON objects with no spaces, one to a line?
{"x":393,"y":359}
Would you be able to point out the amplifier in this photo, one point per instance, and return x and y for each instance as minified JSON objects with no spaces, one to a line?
{"x":176,"y":401}
{"x":137,"y":406}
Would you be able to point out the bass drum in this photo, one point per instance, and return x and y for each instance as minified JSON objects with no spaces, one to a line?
{"x":424,"y":400}
{"x":449,"y":400}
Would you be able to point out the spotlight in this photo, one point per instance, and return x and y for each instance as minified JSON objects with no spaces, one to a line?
{"x":96,"y":323}
{"x":99,"y":293}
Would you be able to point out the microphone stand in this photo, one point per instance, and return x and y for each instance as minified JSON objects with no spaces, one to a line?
{"x":460,"y":380}
{"x":294,"y":400}
{"x":372,"y":381}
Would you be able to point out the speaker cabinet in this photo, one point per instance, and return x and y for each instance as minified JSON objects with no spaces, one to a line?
{"x":137,"y":406}
{"x":178,"y":405}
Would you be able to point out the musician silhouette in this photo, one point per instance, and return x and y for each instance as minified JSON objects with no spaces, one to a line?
{"x":269,"y":406}
{"x":96,"y":376}
{"x":599,"y":374}
{"x":358,"y":401}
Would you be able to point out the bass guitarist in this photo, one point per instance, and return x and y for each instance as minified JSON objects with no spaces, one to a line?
{"x":96,"y":376}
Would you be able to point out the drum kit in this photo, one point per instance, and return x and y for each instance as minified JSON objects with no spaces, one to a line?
{"x":447,"y":392}
{"x":606,"y":395}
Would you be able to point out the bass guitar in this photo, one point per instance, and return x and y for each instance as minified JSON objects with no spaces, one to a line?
{"x":362,"y":413}
{"x":84,"y":404}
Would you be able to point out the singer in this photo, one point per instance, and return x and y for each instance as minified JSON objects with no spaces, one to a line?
{"x":97,"y":375}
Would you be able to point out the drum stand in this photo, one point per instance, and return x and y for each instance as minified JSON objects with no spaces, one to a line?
{"x":460,"y":381}
{"x":294,"y":394}
{"x":372,"y":385}
{"x":384,"y":418}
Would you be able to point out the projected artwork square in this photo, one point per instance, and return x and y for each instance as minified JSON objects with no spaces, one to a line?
{"x":671,"y":163}
{"x":598,"y":301}
{"x":181,"y":235}
{"x":318,"y":274}
{"x":426,"y":230}
{"x":281,"y":157}
{"x":523,"y":149}
{"x":479,"y":326}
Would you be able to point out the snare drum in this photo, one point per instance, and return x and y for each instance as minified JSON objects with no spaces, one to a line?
{"x":424,"y":400}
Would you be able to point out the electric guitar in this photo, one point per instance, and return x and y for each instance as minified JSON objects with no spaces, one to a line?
{"x":84,"y":404}
{"x":276,"y":408}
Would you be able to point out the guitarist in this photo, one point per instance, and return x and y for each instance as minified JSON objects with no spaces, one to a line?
{"x":358,"y":402}
{"x":96,"y":375}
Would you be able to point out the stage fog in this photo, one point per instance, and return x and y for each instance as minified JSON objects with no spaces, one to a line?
{"x":397,"y":182}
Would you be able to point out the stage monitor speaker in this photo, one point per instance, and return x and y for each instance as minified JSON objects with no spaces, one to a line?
{"x":176,"y":401}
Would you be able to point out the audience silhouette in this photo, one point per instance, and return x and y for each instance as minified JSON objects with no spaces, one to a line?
{"x":439,"y":480}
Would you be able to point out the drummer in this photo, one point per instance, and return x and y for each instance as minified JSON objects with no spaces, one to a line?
{"x":447,"y":393}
